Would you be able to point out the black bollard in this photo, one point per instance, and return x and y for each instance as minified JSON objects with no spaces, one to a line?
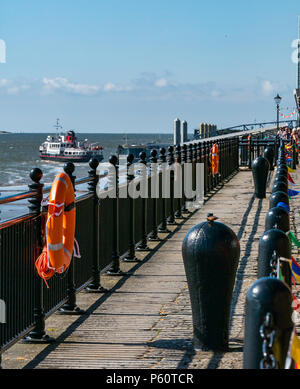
{"x":211,"y":252}
{"x":268,"y":324}
{"x":281,"y":177}
{"x":273,"y":240}
{"x":278,"y":197}
{"x":281,"y":161}
{"x":269,"y":154}
{"x":260,"y":169}
{"x":281,"y":170}
{"x":282,"y":166}
{"x":277,"y":217}
{"x":280,"y":186}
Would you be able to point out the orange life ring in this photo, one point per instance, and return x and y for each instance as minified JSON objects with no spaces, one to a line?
{"x":249,"y":141}
{"x":215,"y":159}
{"x":60,"y":229}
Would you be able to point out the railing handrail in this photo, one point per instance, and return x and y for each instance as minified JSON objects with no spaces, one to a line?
{"x":256,"y":124}
{"x":46,"y":189}
{"x":17,"y":197}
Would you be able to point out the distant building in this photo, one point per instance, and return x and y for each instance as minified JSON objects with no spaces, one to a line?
{"x":184,"y":131}
{"x":176,"y":132}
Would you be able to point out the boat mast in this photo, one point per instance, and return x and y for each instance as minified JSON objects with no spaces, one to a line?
{"x":57,"y":126}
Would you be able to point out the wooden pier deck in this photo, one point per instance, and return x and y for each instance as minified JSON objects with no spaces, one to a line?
{"x":145,"y":321}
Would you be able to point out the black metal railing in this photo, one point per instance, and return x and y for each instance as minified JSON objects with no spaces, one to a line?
{"x":254,"y":146}
{"x":108,"y":230}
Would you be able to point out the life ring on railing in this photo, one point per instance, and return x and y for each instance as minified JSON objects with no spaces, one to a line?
{"x":215,"y":159}
{"x":59,"y":229}
{"x":249,"y":141}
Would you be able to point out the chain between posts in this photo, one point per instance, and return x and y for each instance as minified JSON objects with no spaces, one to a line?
{"x":273,"y":265}
{"x":268,"y":333}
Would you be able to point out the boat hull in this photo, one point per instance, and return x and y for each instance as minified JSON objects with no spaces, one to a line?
{"x":74,"y":159}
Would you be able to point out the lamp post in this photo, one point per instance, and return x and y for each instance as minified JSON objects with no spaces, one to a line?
{"x":277,"y":102}
{"x":297,"y":100}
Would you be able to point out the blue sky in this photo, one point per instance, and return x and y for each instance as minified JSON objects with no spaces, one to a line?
{"x":134,"y":66}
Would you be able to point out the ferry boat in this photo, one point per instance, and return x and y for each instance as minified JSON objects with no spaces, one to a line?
{"x":66,"y":148}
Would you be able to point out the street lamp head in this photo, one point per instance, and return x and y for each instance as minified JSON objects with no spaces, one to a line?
{"x":277,"y":99}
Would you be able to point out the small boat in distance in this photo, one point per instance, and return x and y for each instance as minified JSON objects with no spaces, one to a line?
{"x":135,"y":149}
{"x":66,"y":148}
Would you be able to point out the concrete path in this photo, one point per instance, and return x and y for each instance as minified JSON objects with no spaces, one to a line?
{"x":145,"y":320}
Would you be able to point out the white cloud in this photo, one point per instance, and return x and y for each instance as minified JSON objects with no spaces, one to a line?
{"x":110,"y":87}
{"x":13,"y":87}
{"x":161,"y":83}
{"x":149,"y":86}
{"x":14,"y":90}
{"x":267,"y":87}
{"x":63,"y":84}
{"x":3,"y":82}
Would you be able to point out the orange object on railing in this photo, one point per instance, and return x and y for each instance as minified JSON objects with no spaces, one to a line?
{"x":215,"y":159}
{"x":249,"y":141}
{"x":60,"y":229}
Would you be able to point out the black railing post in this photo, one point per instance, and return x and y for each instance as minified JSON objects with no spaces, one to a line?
{"x":114,"y":183}
{"x":162,"y":160}
{"x":237,"y":160}
{"x":204,"y":161}
{"x":223,"y":159}
{"x":184,"y":161}
{"x":142,"y":246}
{"x":195,"y":159}
{"x":217,"y":176}
{"x":190,"y":160}
{"x":95,"y":286}
{"x":250,"y":149}
{"x":179,"y":177}
{"x":209,"y":177}
{"x":38,"y":334}
{"x":208,"y":166}
{"x":227,"y":159}
{"x":70,"y":307}
{"x":130,"y":257}
{"x":154,"y":193}
{"x":171,"y":160}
